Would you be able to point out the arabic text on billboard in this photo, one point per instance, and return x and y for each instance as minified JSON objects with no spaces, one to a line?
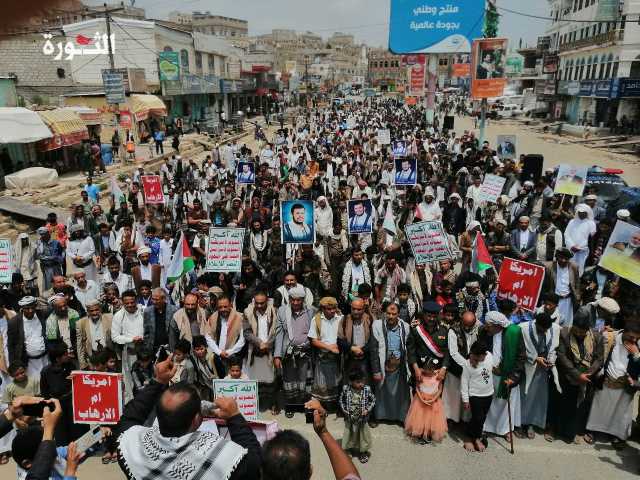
{"x":441,"y":26}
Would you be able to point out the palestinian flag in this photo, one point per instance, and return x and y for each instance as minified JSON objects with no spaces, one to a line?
{"x":182,"y":261}
{"x":480,"y":257}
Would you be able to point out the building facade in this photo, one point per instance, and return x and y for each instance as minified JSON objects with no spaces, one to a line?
{"x":599,"y":61}
{"x":386,"y":71}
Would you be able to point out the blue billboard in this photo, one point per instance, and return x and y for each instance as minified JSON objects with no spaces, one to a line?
{"x":435,"y":26}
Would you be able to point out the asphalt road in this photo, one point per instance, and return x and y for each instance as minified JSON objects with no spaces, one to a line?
{"x":395,"y":457}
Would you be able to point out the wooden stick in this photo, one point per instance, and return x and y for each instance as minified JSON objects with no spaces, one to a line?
{"x":510,"y":422}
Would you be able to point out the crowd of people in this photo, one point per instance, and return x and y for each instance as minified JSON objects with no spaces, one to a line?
{"x":349,"y":322}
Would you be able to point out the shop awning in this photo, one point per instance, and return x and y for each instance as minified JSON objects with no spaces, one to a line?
{"x":20,"y":125}
{"x":144,"y":105}
{"x":90,"y":116}
{"x":67,"y":127}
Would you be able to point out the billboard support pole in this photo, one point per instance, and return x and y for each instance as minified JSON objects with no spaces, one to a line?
{"x":483,"y":119}
{"x":430,"y":98}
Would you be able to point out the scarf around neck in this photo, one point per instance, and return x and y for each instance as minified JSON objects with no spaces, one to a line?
{"x":148,"y":455}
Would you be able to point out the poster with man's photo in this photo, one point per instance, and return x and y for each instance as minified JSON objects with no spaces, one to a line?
{"x":571,"y":180}
{"x":489,"y":57}
{"x":406,"y":171}
{"x":506,"y":148}
{"x":245,"y":173}
{"x":360,"y":217}
{"x":622,"y":255}
{"x":399,"y":148}
{"x":297,"y":221}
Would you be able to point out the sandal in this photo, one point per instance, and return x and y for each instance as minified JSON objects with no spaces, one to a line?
{"x":548,"y":436}
{"x":364,"y":457}
{"x":4,"y":458}
{"x":588,"y":438}
{"x":106,"y":458}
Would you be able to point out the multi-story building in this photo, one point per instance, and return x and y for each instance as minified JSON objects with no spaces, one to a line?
{"x":599,"y":60}
{"x":216,"y":25}
{"x":386,"y":70}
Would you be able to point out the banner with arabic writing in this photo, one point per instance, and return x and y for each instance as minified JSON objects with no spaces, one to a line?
{"x":224,"y":249}
{"x":429,"y":242}
{"x":439,"y":26}
{"x":244,"y":392}
{"x":96,"y":397}
{"x":520,"y":282}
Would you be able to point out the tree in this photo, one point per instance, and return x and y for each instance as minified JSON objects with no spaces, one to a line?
{"x":491,"y":20}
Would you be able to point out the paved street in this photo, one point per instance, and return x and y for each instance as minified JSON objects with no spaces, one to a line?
{"x":395,"y":457}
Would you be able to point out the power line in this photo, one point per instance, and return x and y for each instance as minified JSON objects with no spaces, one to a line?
{"x":551,"y":19}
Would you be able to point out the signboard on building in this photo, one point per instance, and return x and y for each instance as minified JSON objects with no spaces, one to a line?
{"x":544,"y":44}
{"x":488,"y":67}
{"x":514,"y":64}
{"x":113,"y":87}
{"x":461,"y":67}
{"x":439,"y":26}
{"x":550,"y":64}
{"x":169,"y":66}
{"x":629,"y":88}
{"x":568,"y":87}
{"x":608,"y":10}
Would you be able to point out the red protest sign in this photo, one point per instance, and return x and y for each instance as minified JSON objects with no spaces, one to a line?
{"x":521,"y":282}
{"x":152,"y":187}
{"x":97,"y":397}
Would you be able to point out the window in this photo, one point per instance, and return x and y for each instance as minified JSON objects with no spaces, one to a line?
{"x":61,"y":73}
{"x":443,"y":62}
{"x":616,"y":64}
{"x":603,"y":61}
{"x":386,"y":64}
{"x":167,"y":49}
{"x":589,"y":62}
{"x":609,"y":66}
{"x":184,"y":60}
{"x":212,"y":63}
{"x":198,"y":60}
{"x":581,"y":69}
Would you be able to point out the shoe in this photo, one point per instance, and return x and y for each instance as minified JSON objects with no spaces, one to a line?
{"x":363,"y":457}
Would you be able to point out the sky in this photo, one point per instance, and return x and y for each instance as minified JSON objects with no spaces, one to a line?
{"x":366,"y":19}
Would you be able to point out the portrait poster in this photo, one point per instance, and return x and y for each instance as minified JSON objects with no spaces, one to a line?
{"x":622,"y":255}
{"x":361,"y":216}
{"x":461,"y":67}
{"x":224,"y":250}
{"x":406,"y":171}
{"x":571,"y":180}
{"x":399,"y":148}
{"x":488,"y":67}
{"x":245,"y":173}
{"x":491,"y":188}
{"x":429,"y":242}
{"x":506,"y":148}
{"x":96,"y":397}
{"x":152,"y":187}
{"x":520,"y":282}
{"x":244,"y":392}
{"x":298,"y":224}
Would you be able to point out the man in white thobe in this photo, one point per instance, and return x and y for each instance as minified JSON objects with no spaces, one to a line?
{"x":127,"y":331}
{"x":577,"y":235}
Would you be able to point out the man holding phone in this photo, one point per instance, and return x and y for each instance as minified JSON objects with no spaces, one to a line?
{"x":39,"y":465}
{"x":145,"y":451}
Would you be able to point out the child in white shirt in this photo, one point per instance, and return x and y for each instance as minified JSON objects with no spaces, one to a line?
{"x":476,"y":388}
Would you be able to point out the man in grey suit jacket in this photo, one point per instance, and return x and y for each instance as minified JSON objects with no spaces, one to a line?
{"x":156,"y":320}
{"x":523,"y":241}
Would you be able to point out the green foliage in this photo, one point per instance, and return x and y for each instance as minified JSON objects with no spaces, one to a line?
{"x":491,"y":21}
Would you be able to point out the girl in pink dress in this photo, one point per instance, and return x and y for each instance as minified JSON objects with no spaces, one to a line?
{"x":426,"y":420}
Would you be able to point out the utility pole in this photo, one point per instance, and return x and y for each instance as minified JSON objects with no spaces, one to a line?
{"x":306,"y":79}
{"x":491,"y":21}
